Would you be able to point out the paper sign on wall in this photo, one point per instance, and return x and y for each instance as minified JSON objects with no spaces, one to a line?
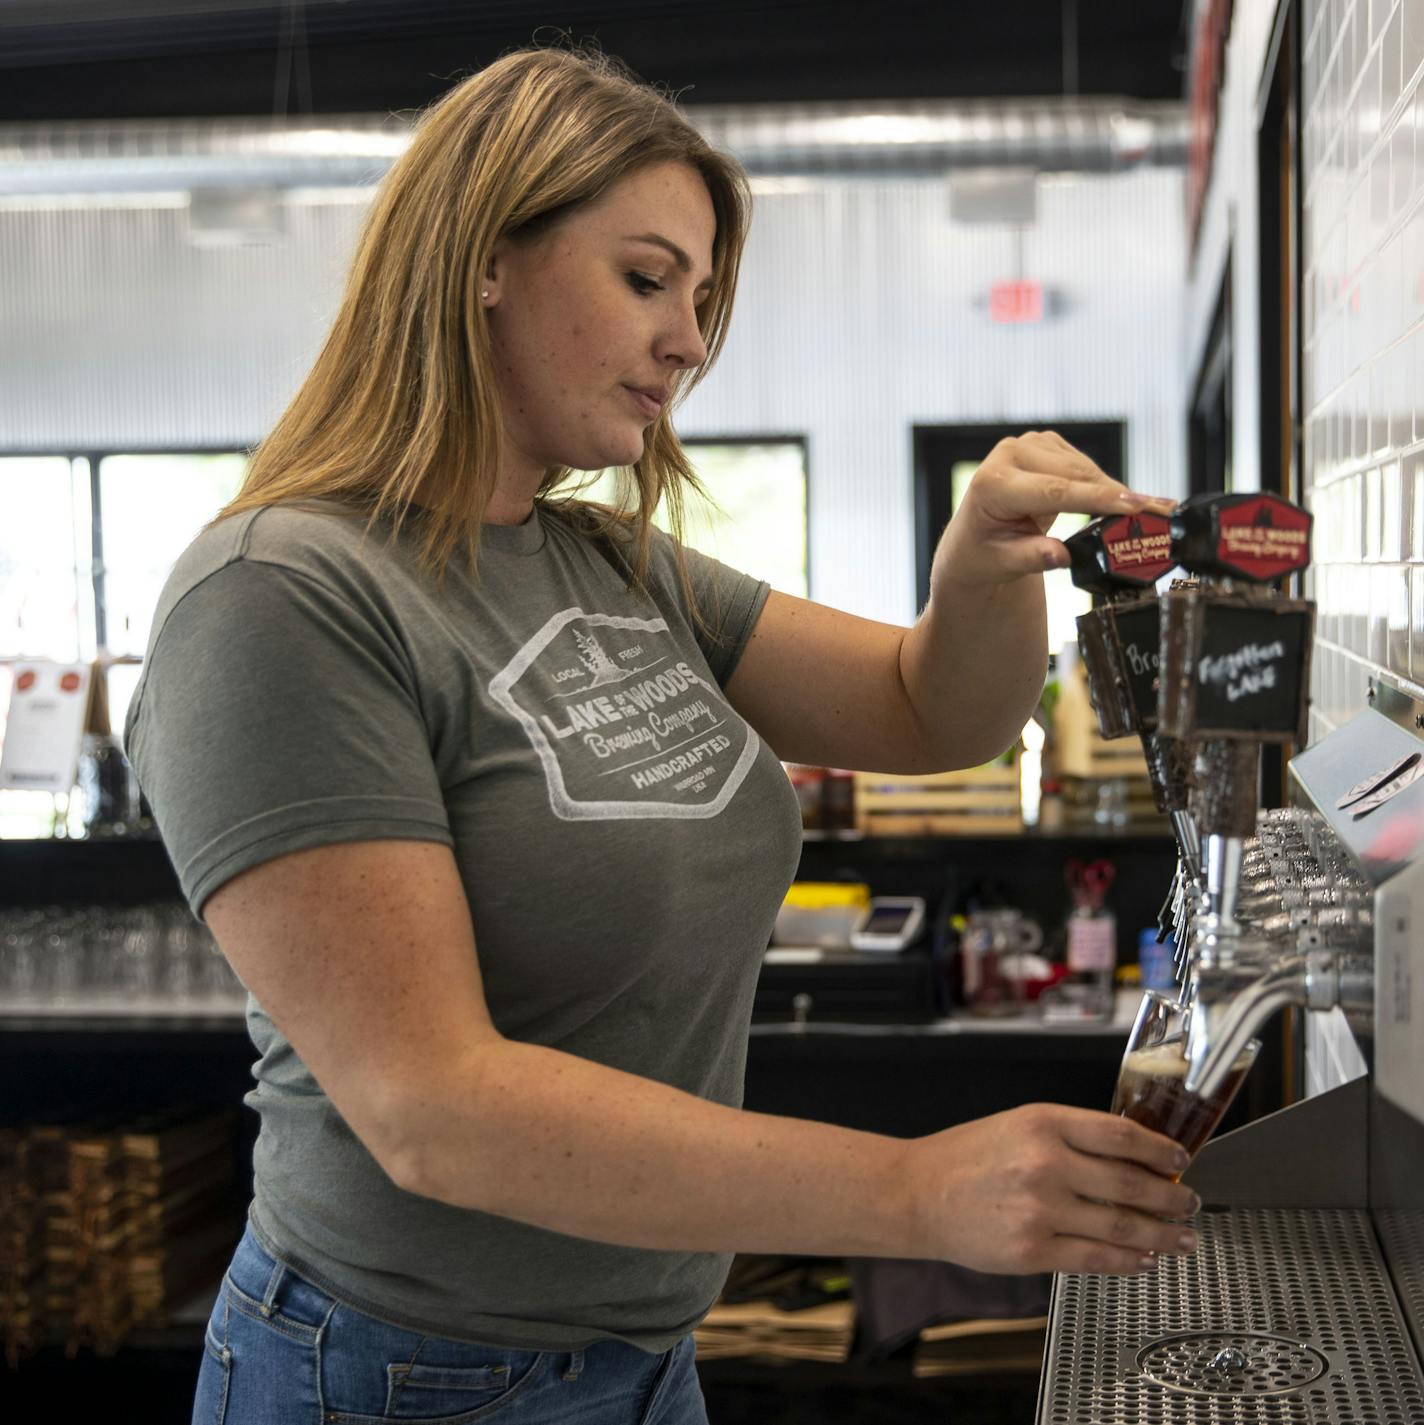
{"x":45,"y":728}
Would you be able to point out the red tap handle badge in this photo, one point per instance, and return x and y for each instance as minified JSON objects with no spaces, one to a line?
{"x":1118,"y":553}
{"x":1258,"y":537}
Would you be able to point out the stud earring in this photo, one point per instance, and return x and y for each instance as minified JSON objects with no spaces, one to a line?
{"x":485,"y":293}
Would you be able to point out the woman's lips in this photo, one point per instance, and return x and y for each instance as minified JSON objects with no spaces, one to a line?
{"x":649,"y":407}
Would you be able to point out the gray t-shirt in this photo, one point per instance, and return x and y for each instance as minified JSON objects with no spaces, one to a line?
{"x":624,"y":838}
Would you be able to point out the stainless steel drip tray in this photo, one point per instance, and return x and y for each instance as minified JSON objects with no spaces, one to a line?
{"x":1282,"y":1315}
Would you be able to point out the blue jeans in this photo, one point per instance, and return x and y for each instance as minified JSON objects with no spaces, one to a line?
{"x":278,"y":1351}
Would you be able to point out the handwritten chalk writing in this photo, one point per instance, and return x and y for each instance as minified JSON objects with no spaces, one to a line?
{"x":1140,"y":662}
{"x":1227,"y":666}
{"x":1250,"y":669}
{"x":1251,"y":683}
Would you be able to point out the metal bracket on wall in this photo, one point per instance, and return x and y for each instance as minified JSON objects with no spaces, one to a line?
{"x":1401,"y":706}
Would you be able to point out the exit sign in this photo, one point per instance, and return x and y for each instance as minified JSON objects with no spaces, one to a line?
{"x":1016,"y":302}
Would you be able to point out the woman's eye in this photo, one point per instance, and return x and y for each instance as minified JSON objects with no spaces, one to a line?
{"x":643,"y":286}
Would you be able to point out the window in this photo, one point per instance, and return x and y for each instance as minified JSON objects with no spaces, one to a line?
{"x":758,"y":520}
{"x":86,"y":543}
{"x":46,"y":609}
{"x":45,"y":605}
{"x":152,"y":506}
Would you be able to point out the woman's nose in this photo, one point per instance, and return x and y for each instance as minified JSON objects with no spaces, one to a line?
{"x":684,"y":343}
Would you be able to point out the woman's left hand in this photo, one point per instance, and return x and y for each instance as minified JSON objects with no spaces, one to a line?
{"x":1000,"y":530}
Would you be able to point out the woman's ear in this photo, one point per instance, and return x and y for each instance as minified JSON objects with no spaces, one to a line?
{"x":492,"y":280}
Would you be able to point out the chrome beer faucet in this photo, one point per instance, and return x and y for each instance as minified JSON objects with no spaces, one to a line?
{"x":1235,"y":989}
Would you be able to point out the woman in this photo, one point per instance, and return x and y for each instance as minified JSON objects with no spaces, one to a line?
{"x":480,"y":792}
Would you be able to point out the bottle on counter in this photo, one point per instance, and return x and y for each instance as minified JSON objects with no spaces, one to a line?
{"x":1087,"y":991}
{"x":108,"y":790}
{"x":107,"y":795}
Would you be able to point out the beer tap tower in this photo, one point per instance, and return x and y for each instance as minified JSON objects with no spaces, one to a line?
{"x":1120,"y":558}
{"x":1304,"y":1301}
{"x":1234,"y":676}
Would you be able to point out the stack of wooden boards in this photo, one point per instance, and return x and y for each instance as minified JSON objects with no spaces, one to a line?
{"x":106,"y":1224}
{"x":984,"y":1347}
{"x":1083,"y":760}
{"x":977,"y":801}
{"x":781,"y":1309}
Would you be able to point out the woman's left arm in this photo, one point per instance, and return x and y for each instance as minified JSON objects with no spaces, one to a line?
{"x":833,"y":690}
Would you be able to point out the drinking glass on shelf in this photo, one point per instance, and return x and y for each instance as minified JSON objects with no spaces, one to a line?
{"x":21,"y":931}
{"x":70,"y":957}
{"x":140,"y":952}
{"x":62,"y":957}
{"x":1152,"y":1081}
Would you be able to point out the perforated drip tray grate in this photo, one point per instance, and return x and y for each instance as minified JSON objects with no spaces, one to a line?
{"x":1401,"y":1233}
{"x":1231,"y":1363}
{"x":1283,"y":1316}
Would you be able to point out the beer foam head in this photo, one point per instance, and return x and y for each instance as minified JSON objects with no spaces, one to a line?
{"x":1159,"y":1061}
{"x":1169,"y":1061}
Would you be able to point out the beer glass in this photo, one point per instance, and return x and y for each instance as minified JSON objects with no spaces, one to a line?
{"x":1151,"y":1084}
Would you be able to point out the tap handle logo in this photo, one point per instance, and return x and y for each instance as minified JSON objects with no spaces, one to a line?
{"x":1121,"y":553}
{"x":1257,"y":537}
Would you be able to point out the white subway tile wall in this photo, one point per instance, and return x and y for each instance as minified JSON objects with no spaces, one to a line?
{"x":1363,"y":372}
{"x":1363,"y":333}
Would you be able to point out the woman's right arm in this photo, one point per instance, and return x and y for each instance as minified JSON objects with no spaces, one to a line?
{"x":363,"y":953}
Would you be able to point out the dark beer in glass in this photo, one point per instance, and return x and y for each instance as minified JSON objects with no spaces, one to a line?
{"x":1152,"y":1082}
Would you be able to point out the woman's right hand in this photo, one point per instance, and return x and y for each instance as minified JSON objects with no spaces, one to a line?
{"x":1046,"y":1188}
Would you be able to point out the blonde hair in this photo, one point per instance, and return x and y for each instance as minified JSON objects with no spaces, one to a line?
{"x":402,"y":397}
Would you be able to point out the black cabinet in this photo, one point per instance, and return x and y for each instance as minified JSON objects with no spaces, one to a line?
{"x":904,"y":1080}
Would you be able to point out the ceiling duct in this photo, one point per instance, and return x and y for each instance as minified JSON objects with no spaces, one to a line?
{"x":892,"y":139}
{"x":165,"y":155}
{"x":931,"y":139}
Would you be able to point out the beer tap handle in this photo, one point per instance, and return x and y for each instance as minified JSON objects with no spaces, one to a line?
{"x":1234,"y":666}
{"x":1120,"y":558}
{"x":1259,"y":538}
{"x":1230,"y":773}
{"x":1169,"y":904}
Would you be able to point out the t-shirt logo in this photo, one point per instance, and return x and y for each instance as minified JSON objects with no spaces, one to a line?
{"x":622,"y":724}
